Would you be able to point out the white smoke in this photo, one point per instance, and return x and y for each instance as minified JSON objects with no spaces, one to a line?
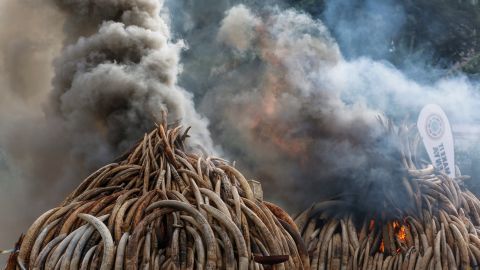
{"x":237,"y":30}
{"x":302,"y":118}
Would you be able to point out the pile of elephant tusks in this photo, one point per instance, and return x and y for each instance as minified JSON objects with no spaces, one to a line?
{"x":159,"y":207}
{"x":439,"y":230}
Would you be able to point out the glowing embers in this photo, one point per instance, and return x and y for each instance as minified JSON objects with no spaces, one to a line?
{"x":382,"y":247}
{"x":395,"y":234}
{"x":401,"y":233}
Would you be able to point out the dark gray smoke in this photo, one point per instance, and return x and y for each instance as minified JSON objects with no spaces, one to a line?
{"x":114,"y":77}
{"x":111,"y":85}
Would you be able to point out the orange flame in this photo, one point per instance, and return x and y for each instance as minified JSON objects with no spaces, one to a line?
{"x":402,"y":235}
{"x":400,"y":231}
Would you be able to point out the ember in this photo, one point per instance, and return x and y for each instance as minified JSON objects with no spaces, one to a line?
{"x":400,"y":231}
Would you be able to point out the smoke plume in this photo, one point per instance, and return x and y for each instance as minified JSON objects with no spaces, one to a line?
{"x":110,"y":86}
{"x":287,"y":104}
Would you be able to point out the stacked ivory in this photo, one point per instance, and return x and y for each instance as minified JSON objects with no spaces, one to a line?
{"x":437,"y":228}
{"x":162,"y":208}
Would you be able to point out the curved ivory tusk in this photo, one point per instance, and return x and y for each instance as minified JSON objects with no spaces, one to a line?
{"x":199,"y":248}
{"x":121,"y":251}
{"x":228,"y":251}
{"x":32,"y":234}
{"x":71,"y":248}
{"x":21,"y":264}
{"x":81,"y":188}
{"x":60,"y":249}
{"x":236,"y":203}
{"x":147,"y":245}
{"x":87,"y":257}
{"x":75,"y":262}
{"x":203,"y":223}
{"x":38,"y":242}
{"x":235,"y":231}
{"x":266,"y":234}
{"x":196,"y":192}
{"x":422,"y":172}
{"x":241,"y":179}
{"x":302,"y":249}
{"x":46,"y":250}
{"x":108,"y":245}
{"x":217,"y":200}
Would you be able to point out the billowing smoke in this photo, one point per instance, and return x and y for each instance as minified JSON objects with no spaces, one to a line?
{"x":283,"y":99}
{"x":285,"y":103}
{"x":113,"y":79}
{"x":112,"y":85}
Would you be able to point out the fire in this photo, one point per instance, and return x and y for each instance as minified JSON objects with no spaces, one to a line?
{"x":400,"y":231}
{"x":402,"y":235}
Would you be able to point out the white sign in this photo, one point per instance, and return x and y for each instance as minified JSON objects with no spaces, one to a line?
{"x":437,"y":137}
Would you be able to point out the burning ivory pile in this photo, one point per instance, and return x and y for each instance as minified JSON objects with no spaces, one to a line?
{"x":439,"y":229}
{"x":161,"y":208}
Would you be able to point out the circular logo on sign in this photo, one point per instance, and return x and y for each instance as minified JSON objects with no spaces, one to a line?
{"x":435,"y":126}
